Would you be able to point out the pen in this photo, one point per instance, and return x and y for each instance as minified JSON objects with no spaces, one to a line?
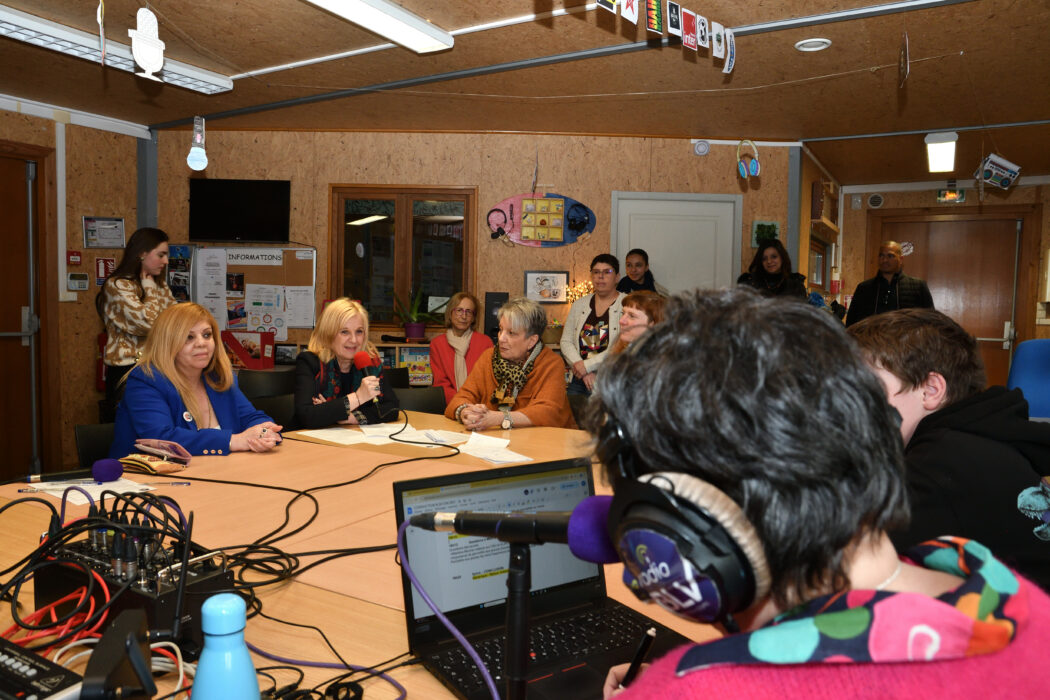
{"x":167,"y":483}
{"x":639,"y":656}
{"x":28,"y":490}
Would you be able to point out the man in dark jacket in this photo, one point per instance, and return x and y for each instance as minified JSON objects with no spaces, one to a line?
{"x":969,"y":450}
{"x":889,"y":290}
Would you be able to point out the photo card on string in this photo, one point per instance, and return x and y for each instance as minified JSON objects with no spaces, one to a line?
{"x":654,"y":16}
{"x":718,"y":40}
{"x":703,"y":36}
{"x":674,"y":18}
{"x":688,"y":29}
{"x":730,"y":52}
{"x":629,"y":10}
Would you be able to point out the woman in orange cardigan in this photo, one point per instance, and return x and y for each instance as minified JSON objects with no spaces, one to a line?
{"x":517,"y":383}
{"x":453,"y":355}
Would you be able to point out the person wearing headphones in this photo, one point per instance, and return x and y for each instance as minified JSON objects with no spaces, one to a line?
{"x":762,"y":502}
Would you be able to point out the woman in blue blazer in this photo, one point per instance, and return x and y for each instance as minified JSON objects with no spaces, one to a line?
{"x":183,"y":390}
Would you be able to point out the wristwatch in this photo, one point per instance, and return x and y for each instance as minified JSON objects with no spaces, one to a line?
{"x":507,"y":423}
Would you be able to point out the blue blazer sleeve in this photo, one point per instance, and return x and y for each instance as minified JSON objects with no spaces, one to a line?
{"x":152,"y":408}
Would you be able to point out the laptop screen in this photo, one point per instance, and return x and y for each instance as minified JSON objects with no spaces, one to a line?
{"x":464,"y":573}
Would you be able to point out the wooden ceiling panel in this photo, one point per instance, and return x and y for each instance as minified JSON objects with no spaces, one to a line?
{"x":973,"y":62}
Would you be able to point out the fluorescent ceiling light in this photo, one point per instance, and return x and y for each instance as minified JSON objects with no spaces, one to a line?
{"x":392,"y":22}
{"x":366,"y":220}
{"x":940,"y":151}
{"x":73,"y":42}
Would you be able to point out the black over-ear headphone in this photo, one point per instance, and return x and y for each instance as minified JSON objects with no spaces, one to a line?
{"x":685,"y":544}
{"x":498,"y":230}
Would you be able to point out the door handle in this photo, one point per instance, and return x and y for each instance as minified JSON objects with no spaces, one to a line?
{"x":1009,"y":335}
{"x":30,"y":325}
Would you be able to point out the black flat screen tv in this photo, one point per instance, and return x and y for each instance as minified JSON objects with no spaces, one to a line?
{"x":247,"y":211}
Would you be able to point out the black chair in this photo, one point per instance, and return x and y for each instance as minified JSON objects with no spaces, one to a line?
{"x":280,"y":408}
{"x":425,"y":399}
{"x":397,"y":376}
{"x":266,"y":382}
{"x":93,"y":442}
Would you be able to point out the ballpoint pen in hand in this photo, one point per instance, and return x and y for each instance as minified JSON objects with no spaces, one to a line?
{"x":639,"y":656}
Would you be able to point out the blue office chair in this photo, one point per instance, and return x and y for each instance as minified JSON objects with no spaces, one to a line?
{"x":1030,"y":372}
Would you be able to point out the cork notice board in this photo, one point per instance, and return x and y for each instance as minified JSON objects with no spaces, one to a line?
{"x":257,"y":289}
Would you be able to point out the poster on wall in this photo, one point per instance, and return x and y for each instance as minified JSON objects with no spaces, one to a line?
{"x":103,"y":232}
{"x":541,"y":220}
{"x":179,"y":258}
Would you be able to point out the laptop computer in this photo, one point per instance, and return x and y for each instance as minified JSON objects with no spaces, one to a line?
{"x":576,"y":631}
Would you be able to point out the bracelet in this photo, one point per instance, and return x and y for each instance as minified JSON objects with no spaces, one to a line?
{"x":459,"y":411}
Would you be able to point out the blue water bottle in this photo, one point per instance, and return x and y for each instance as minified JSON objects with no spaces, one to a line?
{"x":225,"y":670}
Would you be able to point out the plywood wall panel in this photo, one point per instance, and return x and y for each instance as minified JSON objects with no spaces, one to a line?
{"x":100,"y":181}
{"x":24,"y":128}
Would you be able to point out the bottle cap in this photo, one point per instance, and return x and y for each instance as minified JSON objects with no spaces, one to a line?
{"x":223,"y":613}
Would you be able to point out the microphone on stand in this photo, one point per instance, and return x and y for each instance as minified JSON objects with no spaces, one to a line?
{"x":366,"y":363}
{"x":584,"y":529}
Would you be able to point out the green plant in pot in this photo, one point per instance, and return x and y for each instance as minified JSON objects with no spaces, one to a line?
{"x":413,"y":317}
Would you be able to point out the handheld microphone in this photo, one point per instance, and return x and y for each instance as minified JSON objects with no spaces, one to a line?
{"x":365,"y":362}
{"x":584,"y":529}
{"x":102,"y":470}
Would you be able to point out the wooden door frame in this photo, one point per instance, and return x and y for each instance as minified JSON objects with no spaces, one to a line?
{"x":1028,"y":271}
{"x":46,"y":244}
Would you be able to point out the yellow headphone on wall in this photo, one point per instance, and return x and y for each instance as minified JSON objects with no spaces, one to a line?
{"x":752,"y":167}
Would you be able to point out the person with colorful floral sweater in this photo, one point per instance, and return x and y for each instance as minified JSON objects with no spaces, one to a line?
{"x":778,"y":454}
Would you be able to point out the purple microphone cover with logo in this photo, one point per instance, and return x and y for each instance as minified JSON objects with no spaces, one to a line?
{"x":670,"y":580}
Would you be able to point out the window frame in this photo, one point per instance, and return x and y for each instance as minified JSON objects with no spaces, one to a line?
{"x":403,"y":196}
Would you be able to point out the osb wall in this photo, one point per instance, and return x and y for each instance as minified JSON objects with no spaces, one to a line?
{"x":26,"y":129}
{"x":855,"y":267}
{"x":101,"y":181}
{"x":585,"y":168}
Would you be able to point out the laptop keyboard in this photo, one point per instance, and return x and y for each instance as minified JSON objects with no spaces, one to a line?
{"x":566,"y":638}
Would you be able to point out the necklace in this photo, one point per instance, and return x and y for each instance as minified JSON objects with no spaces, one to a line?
{"x":892,"y":577}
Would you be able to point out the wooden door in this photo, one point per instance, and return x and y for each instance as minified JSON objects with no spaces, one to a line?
{"x":970,"y":267}
{"x":21,"y":441}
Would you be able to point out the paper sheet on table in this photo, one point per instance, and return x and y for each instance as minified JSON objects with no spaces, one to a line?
{"x":491,"y":449}
{"x":76,"y":498}
{"x":341,"y":436}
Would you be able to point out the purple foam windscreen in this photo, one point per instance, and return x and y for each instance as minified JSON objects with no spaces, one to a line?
{"x":588,"y":533}
{"x":107,"y":470}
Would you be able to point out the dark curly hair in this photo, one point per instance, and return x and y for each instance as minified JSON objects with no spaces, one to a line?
{"x":769,"y":401}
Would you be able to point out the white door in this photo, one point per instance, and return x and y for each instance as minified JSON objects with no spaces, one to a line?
{"x":693,"y":240}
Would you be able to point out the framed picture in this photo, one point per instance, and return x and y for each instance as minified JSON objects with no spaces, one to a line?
{"x":761,"y":230}
{"x":285,"y":353}
{"x":546,"y":287}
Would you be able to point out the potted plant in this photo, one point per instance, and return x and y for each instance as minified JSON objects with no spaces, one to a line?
{"x":413,"y":317}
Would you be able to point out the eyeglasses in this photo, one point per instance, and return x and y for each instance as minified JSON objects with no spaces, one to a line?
{"x":463,"y":312}
{"x":602,"y":272}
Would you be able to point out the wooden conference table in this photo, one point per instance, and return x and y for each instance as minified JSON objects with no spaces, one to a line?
{"x":356,"y":600}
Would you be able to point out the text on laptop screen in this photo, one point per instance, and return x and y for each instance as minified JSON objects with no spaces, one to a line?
{"x":460,"y":571}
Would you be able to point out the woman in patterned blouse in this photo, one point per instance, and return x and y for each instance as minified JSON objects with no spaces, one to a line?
{"x":130,"y":301}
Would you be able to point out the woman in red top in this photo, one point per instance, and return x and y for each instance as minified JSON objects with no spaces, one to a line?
{"x":453,"y":354}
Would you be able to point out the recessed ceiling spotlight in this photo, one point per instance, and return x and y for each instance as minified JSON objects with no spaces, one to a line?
{"x":815,"y":44}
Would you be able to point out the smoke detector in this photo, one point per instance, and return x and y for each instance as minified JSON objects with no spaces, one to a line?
{"x":875,"y":200}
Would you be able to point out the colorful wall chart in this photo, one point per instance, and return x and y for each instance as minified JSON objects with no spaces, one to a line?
{"x":541,"y":220}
